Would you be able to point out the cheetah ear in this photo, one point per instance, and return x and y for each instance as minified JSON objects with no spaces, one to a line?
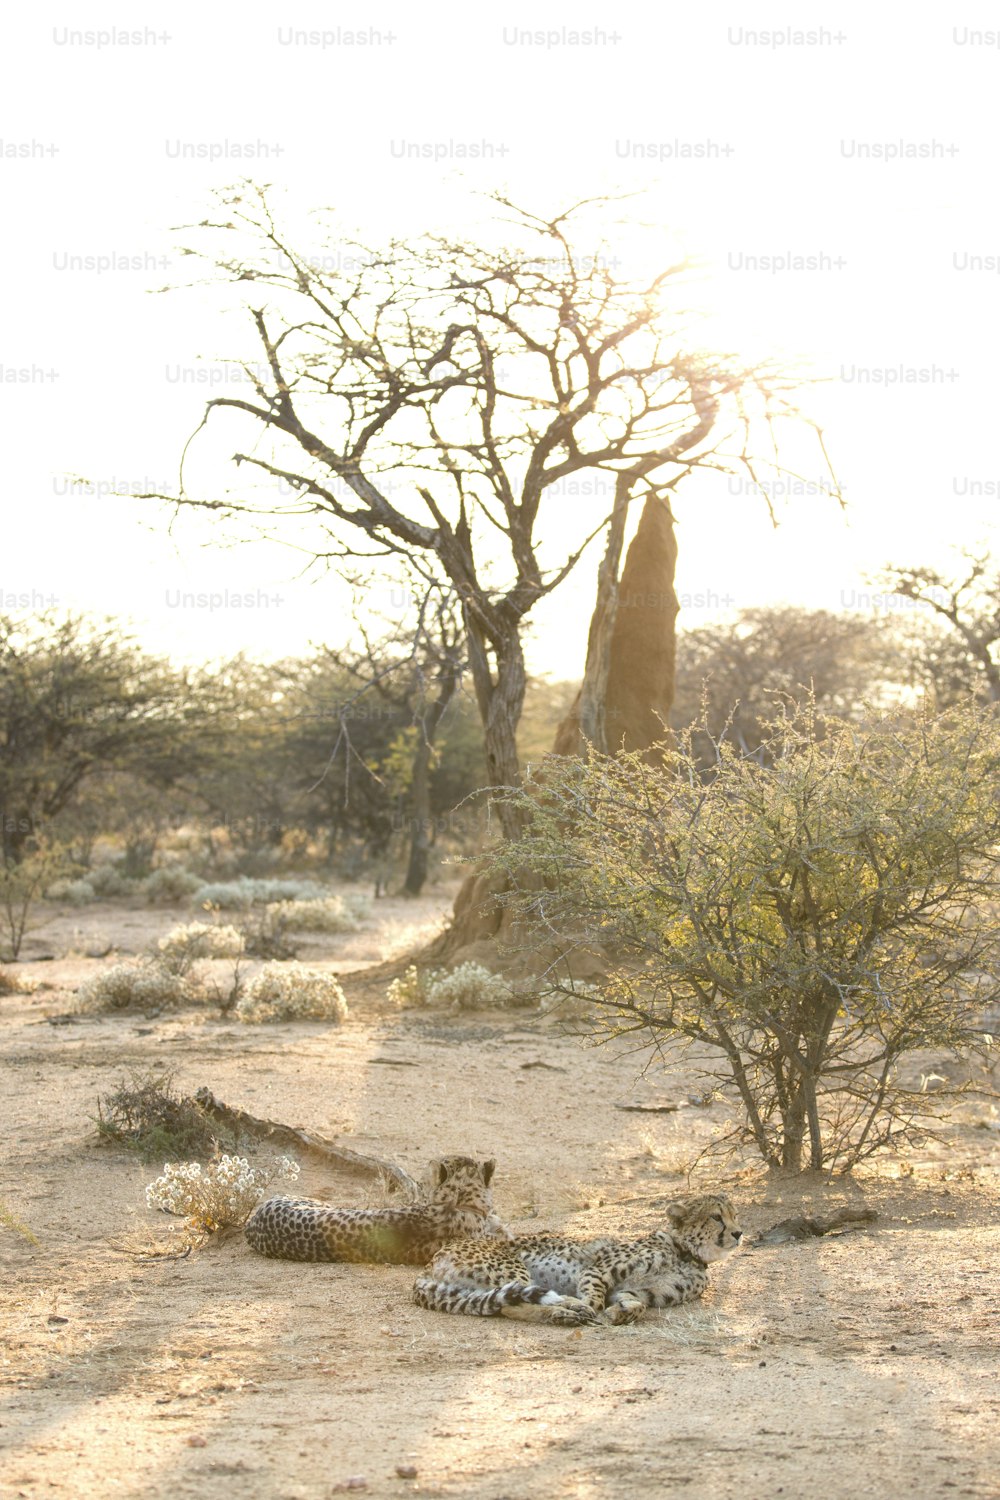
{"x":442,"y":1173}
{"x":675,"y":1213}
{"x":489,"y":1167}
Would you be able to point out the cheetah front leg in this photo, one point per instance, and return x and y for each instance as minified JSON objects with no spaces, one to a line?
{"x":624,"y":1306}
{"x":645,"y":1288}
{"x":592,"y":1288}
{"x":534,"y":1304}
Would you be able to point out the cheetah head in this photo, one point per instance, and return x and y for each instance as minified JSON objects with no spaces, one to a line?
{"x":707,"y":1226}
{"x":463,"y":1184}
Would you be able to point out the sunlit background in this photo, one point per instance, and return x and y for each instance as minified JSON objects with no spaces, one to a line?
{"x":100,"y":374}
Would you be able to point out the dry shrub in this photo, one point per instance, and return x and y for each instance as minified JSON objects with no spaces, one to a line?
{"x":9,"y":1220}
{"x":146,"y":1114}
{"x":13,"y":983}
{"x":264,"y":934}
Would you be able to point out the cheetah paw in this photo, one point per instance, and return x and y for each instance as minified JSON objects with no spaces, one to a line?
{"x":620,"y":1313}
{"x":572,"y":1313}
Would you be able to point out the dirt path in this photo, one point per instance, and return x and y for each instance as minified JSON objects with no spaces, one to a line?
{"x":852,"y":1366}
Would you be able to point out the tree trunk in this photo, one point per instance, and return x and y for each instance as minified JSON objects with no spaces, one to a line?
{"x":17,"y":830}
{"x":420,"y":784}
{"x":501,"y":699}
{"x":793,"y":1121}
{"x":625,"y":700}
{"x":420,"y":812}
{"x":812,"y":1117}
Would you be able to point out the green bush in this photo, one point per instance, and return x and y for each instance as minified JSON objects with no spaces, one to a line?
{"x":242,"y":894}
{"x":78,"y":892}
{"x":108,"y":882}
{"x":809,"y":920}
{"x":170,"y":883}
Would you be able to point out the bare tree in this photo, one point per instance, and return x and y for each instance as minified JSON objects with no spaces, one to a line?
{"x":435,"y":399}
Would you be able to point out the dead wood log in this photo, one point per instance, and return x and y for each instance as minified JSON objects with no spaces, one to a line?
{"x":803,"y":1228}
{"x":277,"y":1133}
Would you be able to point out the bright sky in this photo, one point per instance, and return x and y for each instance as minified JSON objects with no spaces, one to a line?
{"x":860,"y":136}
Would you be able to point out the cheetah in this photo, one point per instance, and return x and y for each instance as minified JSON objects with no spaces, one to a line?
{"x":547,"y":1279}
{"x":460,"y":1205}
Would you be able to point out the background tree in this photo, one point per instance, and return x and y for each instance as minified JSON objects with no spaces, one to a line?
{"x":967,"y":601}
{"x":431,"y":400}
{"x":78,"y":700}
{"x":245,"y":786}
{"x":734,"y":678}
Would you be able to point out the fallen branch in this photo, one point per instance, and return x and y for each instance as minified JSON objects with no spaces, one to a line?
{"x":803,"y":1228}
{"x":152,"y":1260}
{"x":649,"y":1109}
{"x":289,"y":1135}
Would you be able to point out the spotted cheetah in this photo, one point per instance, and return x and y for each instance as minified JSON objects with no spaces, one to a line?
{"x":460,"y":1205}
{"x":547,"y":1279}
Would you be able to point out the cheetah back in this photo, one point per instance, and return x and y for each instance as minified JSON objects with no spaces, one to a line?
{"x":306,"y":1230}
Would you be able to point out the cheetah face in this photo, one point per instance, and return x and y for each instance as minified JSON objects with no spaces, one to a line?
{"x":706,"y":1226}
{"x":462,"y":1185}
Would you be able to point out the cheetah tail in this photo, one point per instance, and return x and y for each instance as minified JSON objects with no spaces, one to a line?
{"x":442,"y":1296}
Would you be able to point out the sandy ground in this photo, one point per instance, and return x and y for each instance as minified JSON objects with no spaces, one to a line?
{"x":857,"y":1365}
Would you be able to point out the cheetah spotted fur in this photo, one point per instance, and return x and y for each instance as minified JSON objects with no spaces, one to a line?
{"x":547,"y":1279}
{"x":460,"y":1207}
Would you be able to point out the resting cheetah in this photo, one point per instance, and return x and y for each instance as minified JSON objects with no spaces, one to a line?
{"x":546,"y":1279}
{"x":460,"y":1204}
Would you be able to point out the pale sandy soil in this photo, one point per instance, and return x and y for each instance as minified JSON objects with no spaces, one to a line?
{"x":864,"y":1365}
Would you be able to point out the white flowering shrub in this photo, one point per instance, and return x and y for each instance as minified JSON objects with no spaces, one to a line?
{"x":143,"y":983}
{"x":467,"y":987}
{"x":219,"y":1196}
{"x":290,"y":992}
{"x":409,"y":990}
{"x":193,"y":940}
{"x":323,"y":914}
